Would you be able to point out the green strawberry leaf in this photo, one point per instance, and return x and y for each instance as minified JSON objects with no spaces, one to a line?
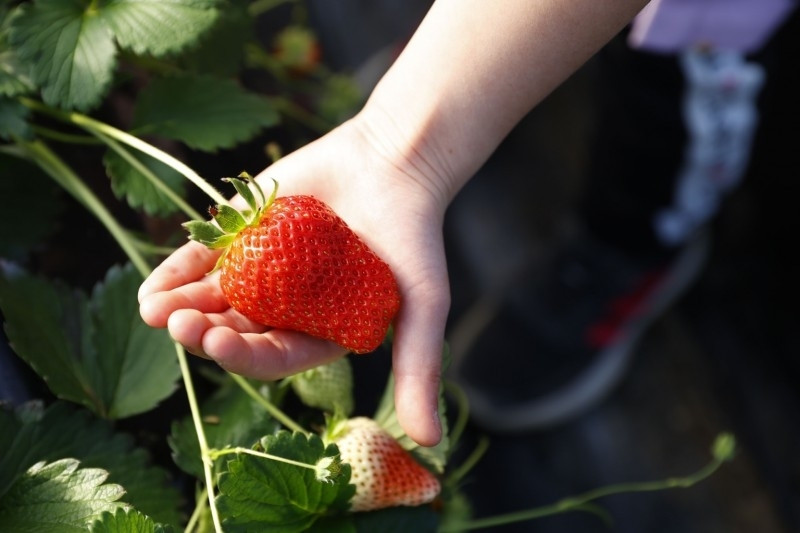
{"x":31,"y":434}
{"x":70,"y":44}
{"x":58,"y":497}
{"x":14,"y":79}
{"x":219,"y":50}
{"x":231,"y":418}
{"x":96,"y":352}
{"x":259,"y":494}
{"x":203,"y":112}
{"x":69,"y":49}
{"x":127,"y":521}
{"x":13,"y":119}
{"x":157,"y":27}
{"x":435,"y":458}
{"x":129,"y":183}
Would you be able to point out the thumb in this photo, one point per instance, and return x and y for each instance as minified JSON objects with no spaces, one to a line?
{"x":417,"y":360}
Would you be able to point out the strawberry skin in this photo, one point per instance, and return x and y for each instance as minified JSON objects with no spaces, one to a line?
{"x":384,"y":473}
{"x":302,"y":268}
{"x":292,"y":263}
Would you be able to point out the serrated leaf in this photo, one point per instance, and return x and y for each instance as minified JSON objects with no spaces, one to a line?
{"x":96,"y":352}
{"x":219,"y":51}
{"x":31,"y":434}
{"x":157,"y":27}
{"x":203,"y":112}
{"x":14,"y":77}
{"x":129,"y":183}
{"x":231,"y":418}
{"x":127,"y":521}
{"x":13,"y":119}
{"x":69,"y":49}
{"x":58,"y":497}
{"x":258,"y":494}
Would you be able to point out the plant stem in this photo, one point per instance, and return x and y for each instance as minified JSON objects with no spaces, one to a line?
{"x":197,"y":420}
{"x":66,"y":177}
{"x":198,"y":510}
{"x":273,"y":410}
{"x":470,"y":462}
{"x":64,"y":137}
{"x":149,"y":176}
{"x":226,"y":451}
{"x":95,"y":126}
{"x":583,"y":501}
{"x":463,"y":412}
{"x":59,"y":171}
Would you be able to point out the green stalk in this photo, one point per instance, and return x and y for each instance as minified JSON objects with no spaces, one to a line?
{"x":149,"y":176}
{"x":64,"y":175}
{"x":583,"y":502}
{"x":197,"y":420}
{"x":216,"y":454}
{"x":273,"y":410}
{"x":60,"y":136}
{"x":94,"y":126}
{"x":197,"y":512}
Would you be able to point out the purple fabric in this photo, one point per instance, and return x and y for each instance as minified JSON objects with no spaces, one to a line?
{"x":739,"y":25}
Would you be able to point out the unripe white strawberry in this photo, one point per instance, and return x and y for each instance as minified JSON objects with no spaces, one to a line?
{"x":328,"y":387}
{"x":384,"y":473}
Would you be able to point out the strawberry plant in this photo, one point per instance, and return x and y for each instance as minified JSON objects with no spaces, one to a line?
{"x":99,"y":105}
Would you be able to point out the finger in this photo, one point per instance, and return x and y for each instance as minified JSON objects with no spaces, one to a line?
{"x":188,"y":326}
{"x":204,"y":295}
{"x":417,"y":361}
{"x":188,"y":263}
{"x":268,"y":356}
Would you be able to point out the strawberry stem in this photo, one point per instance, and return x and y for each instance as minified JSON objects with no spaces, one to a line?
{"x":66,"y":177}
{"x":93,"y":126}
{"x":723,"y":450}
{"x":321,"y":469}
{"x":271,"y":408}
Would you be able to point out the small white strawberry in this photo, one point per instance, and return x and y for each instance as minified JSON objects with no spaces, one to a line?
{"x":384,"y":473}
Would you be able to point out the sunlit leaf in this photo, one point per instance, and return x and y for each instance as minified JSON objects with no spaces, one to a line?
{"x":94,"y":351}
{"x":31,"y":434}
{"x":203,"y":112}
{"x":258,"y":494}
{"x":58,"y":497}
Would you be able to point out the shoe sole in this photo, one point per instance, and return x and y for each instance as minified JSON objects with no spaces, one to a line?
{"x":602,"y":376}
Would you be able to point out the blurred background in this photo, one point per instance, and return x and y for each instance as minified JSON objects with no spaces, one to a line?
{"x":726,"y":357}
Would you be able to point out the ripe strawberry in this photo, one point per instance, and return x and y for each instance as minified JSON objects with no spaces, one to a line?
{"x":292,"y":263}
{"x":328,"y":387}
{"x":384,"y":473}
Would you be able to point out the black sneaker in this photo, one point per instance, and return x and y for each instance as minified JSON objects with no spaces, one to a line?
{"x":558,"y":345}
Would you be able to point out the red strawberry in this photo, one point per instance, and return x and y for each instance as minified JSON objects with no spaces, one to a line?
{"x":292,"y":263}
{"x":384,"y":473}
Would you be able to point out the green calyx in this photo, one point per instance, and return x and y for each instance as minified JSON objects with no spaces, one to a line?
{"x":226,"y":223}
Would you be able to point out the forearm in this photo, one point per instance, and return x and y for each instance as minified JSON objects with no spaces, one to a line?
{"x":472,"y":70}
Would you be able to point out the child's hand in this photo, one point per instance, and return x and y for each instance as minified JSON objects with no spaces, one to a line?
{"x":400,"y":218}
